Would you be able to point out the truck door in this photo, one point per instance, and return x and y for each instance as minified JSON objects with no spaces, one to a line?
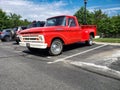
{"x":74,"y":30}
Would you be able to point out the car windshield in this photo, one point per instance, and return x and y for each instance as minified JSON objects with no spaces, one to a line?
{"x":56,"y":21}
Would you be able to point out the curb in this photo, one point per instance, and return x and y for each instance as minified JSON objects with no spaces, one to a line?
{"x":102,"y":70}
{"x":117,"y":44}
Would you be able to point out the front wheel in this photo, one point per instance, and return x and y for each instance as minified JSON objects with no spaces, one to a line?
{"x":90,"y":41}
{"x":56,"y":47}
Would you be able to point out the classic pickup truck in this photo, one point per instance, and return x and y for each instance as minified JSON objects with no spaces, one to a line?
{"x":57,"y":32}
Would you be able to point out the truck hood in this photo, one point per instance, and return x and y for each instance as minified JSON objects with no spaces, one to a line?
{"x":42,"y":29}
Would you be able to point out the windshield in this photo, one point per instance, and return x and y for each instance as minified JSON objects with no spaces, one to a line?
{"x":56,"y":21}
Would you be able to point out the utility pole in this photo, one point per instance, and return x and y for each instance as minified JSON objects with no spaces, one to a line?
{"x":85,"y":14}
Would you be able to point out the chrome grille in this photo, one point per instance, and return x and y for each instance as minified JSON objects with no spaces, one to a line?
{"x":30,"y":38}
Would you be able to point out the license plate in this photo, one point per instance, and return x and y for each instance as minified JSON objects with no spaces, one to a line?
{"x":28,"y":44}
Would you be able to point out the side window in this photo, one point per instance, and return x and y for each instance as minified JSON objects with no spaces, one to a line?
{"x":71,"y":22}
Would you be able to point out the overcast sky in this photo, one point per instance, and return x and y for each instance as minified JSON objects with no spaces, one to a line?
{"x":42,"y":9}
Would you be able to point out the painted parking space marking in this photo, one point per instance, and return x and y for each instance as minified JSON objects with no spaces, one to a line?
{"x":62,"y":59}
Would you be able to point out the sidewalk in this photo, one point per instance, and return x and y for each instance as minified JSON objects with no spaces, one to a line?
{"x":118,"y":44}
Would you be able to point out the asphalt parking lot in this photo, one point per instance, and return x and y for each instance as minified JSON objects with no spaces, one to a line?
{"x":101,"y":59}
{"x":98,"y":54}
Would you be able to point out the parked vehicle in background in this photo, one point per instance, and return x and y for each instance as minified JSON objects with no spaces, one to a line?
{"x":58,"y":31}
{"x":36,"y":24}
{"x":0,"y":32}
{"x":17,"y":31}
{"x":7,"y":35}
{"x":0,"y":35}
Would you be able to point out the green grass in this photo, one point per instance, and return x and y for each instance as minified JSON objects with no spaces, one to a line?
{"x":108,"y":40}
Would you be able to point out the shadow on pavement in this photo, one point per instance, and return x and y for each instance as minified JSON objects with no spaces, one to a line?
{"x":44,"y":53}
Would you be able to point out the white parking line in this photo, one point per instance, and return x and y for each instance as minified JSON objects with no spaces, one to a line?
{"x":62,"y":59}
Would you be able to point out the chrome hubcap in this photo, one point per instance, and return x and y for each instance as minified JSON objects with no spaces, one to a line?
{"x":56,"y":47}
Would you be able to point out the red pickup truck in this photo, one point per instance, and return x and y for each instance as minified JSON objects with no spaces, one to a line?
{"x":57,"y":32}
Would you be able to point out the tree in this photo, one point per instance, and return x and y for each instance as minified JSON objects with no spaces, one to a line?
{"x":3,"y":19}
{"x":11,"y":21}
{"x":14,"y":19}
{"x":116,"y":26}
{"x":109,"y":26}
{"x":101,"y":20}
{"x":80,"y":15}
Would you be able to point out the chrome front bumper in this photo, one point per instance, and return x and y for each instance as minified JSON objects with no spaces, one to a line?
{"x":34,"y":45}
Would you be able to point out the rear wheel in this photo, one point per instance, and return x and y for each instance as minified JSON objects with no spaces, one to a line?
{"x":56,"y":47}
{"x":90,"y":41}
{"x":7,"y":39}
